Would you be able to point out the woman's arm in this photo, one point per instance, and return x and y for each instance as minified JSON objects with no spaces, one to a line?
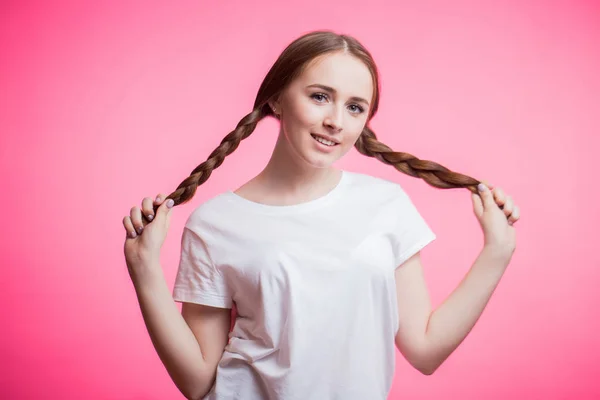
{"x":191,"y":369}
{"x":428,"y":338}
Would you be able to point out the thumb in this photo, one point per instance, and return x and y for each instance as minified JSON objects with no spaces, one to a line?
{"x":477,"y":205}
{"x":486,"y":196}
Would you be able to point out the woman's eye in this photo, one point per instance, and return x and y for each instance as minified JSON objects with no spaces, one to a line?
{"x":357,"y":109}
{"x":318,"y":96}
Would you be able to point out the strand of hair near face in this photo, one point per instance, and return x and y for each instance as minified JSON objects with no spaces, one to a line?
{"x":186,"y":189}
{"x":434,"y":174}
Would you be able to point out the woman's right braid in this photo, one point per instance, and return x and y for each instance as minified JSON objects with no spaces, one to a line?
{"x":186,"y":189}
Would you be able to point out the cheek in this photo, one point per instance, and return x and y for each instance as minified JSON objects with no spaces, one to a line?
{"x":302,"y":116}
{"x":355,"y":127}
{"x":309,"y":114}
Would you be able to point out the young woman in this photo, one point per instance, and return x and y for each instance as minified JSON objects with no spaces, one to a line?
{"x":321,"y":264}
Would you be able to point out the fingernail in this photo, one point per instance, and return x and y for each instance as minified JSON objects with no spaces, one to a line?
{"x":150,"y":217}
{"x":140,"y":229}
{"x":132,"y":234}
{"x":170,"y":203}
{"x":481,"y":187}
{"x":157,"y":199}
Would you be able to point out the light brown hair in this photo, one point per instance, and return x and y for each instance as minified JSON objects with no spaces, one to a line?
{"x":290,"y":64}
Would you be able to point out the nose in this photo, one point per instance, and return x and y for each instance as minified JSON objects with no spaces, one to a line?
{"x":333,"y":120}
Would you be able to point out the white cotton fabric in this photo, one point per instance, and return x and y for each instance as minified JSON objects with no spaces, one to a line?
{"x":313,"y":284}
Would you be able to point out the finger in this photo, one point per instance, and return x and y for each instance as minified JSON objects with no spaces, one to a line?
{"x":148,"y":209}
{"x":488,"y":184}
{"x":486,"y":196}
{"x":164,"y":209}
{"x":136,"y":219}
{"x":158,"y":201}
{"x":499,"y":197}
{"x":477,"y":205}
{"x":160,"y":198}
{"x":508,"y":206}
{"x":129,"y":227}
{"x":514,"y":217}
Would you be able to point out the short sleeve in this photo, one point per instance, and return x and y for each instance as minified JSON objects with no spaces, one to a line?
{"x":197,"y":280}
{"x":411,"y":231}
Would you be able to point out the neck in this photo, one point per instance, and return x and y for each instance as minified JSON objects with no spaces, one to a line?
{"x":289,"y":176}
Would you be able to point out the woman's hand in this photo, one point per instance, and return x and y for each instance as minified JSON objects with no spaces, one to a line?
{"x":145,"y":236}
{"x":496,"y":213}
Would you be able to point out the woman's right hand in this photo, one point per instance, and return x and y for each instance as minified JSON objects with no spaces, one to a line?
{"x":145,"y":236}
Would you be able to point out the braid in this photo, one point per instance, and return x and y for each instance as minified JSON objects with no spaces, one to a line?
{"x":431,"y":172}
{"x":186,"y":189}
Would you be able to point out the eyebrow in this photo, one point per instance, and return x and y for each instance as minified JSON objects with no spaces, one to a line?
{"x":332,"y":90}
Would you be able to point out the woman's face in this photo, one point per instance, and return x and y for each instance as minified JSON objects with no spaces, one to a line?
{"x":329,"y":101}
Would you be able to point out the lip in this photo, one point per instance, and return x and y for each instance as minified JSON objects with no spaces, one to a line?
{"x":326,"y":137}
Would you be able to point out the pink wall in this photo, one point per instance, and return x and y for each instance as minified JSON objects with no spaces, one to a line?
{"x":105,"y":103}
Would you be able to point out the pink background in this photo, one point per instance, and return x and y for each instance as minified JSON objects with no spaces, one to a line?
{"x":104,"y":103}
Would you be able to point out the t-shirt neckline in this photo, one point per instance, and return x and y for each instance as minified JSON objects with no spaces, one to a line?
{"x":307,"y":205}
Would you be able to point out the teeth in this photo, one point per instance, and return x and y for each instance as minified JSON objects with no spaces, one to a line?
{"x":324,"y":141}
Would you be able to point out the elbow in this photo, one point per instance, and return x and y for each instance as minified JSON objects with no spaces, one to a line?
{"x":427,"y":369}
{"x":199,"y":388}
{"x":426,"y":363}
{"x":196,"y":392}
{"x":192,"y":395}
{"x":195,"y":395}
{"x":421,"y":357}
{"x":421,"y":360}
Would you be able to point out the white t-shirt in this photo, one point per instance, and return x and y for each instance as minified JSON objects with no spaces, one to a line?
{"x":313,"y":285}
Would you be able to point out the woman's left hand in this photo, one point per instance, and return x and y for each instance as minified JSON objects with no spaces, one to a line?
{"x":496,"y":213}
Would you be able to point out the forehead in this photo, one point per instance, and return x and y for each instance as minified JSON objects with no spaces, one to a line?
{"x":343,"y":72}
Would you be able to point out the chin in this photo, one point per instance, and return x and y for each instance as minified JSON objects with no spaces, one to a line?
{"x":320,"y":161}
{"x":321,"y":165}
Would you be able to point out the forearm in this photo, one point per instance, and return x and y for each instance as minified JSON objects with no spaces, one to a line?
{"x":172,"y":338}
{"x":452,"y":321}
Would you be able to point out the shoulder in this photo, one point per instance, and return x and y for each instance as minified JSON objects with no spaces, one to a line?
{"x":208,"y":211}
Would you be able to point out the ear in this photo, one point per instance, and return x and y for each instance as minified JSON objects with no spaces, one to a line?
{"x":275,"y":106}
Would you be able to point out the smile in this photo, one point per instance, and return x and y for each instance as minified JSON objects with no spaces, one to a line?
{"x":324,"y":141}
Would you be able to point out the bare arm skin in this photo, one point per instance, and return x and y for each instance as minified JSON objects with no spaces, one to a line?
{"x":427,"y":338}
{"x":190,"y":343}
